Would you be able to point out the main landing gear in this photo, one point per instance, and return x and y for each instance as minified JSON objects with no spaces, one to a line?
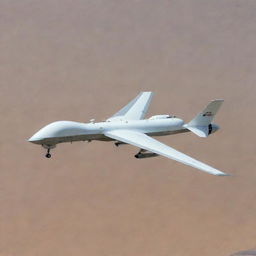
{"x":48,"y":147}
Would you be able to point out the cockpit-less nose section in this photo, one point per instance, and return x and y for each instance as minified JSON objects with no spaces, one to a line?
{"x":128,"y":126}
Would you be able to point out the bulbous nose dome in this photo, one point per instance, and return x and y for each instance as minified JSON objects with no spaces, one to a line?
{"x":58,"y":129}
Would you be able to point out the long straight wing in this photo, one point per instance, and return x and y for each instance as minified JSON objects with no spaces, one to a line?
{"x":135,"y":109}
{"x":143,"y":141}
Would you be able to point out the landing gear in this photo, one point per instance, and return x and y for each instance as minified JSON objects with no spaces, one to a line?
{"x":48,"y":147}
{"x":48,"y":155}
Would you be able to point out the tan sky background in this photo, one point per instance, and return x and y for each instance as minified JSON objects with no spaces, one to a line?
{"x":81,"y":59}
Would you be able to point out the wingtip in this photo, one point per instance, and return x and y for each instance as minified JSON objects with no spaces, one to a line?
{"x":223,"y":174}
{"x":221,"y":100}
{"x":146,"y":92}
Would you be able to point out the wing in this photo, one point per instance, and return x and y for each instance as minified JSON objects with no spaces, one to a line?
{"x":135,"y":109}
{"x":143,"y":141}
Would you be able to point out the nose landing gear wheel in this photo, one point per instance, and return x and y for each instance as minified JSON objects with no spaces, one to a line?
{"x":48,"y":155}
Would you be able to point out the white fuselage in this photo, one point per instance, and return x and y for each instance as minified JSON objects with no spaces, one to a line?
{"x":68,"y":131}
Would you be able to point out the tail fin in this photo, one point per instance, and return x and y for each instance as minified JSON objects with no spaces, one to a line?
{"x":201,"y":124}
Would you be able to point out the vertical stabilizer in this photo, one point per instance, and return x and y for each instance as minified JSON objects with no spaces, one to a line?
{"x":201,"y":124}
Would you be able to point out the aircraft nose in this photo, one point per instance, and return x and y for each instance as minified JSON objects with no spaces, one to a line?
{"x":31,"y":139}
{"x":40,"y":135}
{"x":34,"y":138}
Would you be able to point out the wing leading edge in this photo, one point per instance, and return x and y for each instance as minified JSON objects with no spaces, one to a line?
{"x":143,"y":141}
{"x":135,"y":109}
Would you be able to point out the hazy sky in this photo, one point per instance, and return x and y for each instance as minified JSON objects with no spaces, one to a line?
{"x":80,"y":59}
